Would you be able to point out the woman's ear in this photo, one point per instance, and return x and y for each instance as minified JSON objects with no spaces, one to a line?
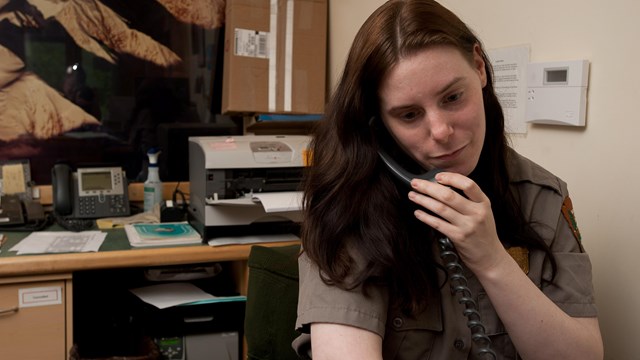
{"x":479,"y":64}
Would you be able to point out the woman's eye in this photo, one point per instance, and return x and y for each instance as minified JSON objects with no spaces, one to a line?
{"x":408,"y":116}
{"x":453,"y":98}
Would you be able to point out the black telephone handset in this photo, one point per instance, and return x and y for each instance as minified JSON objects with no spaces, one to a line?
{"x":402,"y":174}
{"x":451,"y":260}
{"x":61,"y":184}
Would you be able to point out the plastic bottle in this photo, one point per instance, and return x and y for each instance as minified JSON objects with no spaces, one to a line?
{"x":153,"y":185}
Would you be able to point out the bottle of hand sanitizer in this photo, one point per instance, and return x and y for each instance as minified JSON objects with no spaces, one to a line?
{"x":153,"y":185}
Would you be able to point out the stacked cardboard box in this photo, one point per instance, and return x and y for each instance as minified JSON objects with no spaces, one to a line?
{"x":275,"y":56}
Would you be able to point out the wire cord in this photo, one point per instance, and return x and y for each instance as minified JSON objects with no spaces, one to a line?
{"x":458,"y":283}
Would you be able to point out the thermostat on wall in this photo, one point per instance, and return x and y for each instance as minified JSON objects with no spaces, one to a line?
{"x":557,"y":92}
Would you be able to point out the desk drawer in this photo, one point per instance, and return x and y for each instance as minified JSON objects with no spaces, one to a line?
{"x":32,"y":320}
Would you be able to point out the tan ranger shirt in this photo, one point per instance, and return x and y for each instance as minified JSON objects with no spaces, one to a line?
{"x":440,"y":332}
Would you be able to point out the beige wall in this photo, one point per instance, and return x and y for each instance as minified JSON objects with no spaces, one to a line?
{"x":600,"y":162}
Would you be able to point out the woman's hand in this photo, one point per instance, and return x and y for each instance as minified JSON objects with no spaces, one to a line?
{"x":538,"y":327}
{"x":467,"y":221}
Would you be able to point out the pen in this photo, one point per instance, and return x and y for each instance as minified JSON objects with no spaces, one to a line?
{"x":3,"y":239}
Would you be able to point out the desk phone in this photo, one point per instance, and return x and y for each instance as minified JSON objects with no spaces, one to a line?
{"x":89,"y":193}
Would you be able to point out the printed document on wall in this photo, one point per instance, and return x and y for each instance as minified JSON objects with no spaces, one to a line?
{"x":510,"y":83}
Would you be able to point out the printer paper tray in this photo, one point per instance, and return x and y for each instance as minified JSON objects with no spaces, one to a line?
{"x":271,"y":201}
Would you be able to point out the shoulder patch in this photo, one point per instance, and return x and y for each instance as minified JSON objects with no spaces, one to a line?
{"x":567,"y":212}
{"x":521,"y":256}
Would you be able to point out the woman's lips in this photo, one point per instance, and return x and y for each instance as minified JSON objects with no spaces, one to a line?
{"x":448,"y":157}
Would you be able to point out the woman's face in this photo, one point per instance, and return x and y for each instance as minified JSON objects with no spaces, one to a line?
{"x":431,"y":103}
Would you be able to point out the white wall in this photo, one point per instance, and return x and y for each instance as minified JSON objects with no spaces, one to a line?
{"x":600,"y":162}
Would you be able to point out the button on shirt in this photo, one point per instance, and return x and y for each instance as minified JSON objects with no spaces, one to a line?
{"x":440,"y":331}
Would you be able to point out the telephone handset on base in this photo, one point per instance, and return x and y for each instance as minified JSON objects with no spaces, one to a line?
{"x":448,"y":254}
{"x":19,"y":213}
{"x":89,"y":193}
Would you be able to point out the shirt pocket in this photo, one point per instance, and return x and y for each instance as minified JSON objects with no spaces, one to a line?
{"x":408,"y":337}
{"x":495,"y":330}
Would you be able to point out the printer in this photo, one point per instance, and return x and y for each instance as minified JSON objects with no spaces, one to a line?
{"x":231,"y":176}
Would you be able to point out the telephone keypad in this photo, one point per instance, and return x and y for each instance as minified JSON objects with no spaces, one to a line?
{"x":117,"y":205}
{"x":88,"y":205}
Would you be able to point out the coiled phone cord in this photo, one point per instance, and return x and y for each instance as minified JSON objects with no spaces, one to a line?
{"x":459,"y":286}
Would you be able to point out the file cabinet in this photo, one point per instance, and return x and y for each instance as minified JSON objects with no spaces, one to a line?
{"x":35,"y":317}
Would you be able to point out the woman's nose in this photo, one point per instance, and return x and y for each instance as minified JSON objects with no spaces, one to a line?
{"x":439,"y":127}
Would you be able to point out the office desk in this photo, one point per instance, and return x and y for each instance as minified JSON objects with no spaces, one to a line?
{"x":46,"y":332}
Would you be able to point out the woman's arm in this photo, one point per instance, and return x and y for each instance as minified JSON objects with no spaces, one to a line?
{"x":335,"y":341}
{"x":538,"y":327}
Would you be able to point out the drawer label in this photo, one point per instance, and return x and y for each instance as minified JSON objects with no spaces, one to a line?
{"x":40,"y":296}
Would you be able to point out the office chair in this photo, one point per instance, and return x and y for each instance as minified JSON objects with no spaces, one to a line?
{"x":272,"y":301}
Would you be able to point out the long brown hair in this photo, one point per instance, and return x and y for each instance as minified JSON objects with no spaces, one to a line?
{"x":352,"y":207}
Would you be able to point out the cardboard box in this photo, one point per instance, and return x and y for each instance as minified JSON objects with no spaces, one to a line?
{"x":275,"y":56}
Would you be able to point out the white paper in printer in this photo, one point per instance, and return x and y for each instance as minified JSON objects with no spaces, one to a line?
{"x":272,"y":202}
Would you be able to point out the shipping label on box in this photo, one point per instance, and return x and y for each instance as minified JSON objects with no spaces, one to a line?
{"x":275,"y":56}
{"x":251,"y":43}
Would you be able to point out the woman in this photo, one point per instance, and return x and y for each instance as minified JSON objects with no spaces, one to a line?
{"x":418,"y":85}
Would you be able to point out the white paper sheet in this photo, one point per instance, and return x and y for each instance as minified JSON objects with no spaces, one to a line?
{"x":510,"y":83}
{"x":272,"y":202}
{"x":44,"y":242}
{"x":280,"y":201}
{"x":166,"y":295}
{"x":252,"y":239}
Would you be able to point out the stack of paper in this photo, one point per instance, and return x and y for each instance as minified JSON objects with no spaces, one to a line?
{"x":163,"y":234}
{"x":43,"y":242}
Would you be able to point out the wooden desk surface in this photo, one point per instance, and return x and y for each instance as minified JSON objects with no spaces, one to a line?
{"x":20,"y":265}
